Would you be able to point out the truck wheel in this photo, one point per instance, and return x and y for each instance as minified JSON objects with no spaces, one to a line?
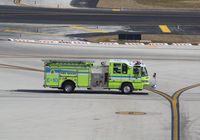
{"x":68,"y":87}
{"x":127,"y":88}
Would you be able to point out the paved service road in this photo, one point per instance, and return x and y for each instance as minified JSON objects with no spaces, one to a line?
{"x":172,"y":65}
{"x":81,"y":116}
{"x":175,"y":107}
{"x":29,"y":111}
{"x":99,"y":51}
{"x":106,"y":17}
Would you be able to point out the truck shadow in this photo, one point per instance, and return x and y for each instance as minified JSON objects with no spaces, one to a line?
{"x":77,"y":92}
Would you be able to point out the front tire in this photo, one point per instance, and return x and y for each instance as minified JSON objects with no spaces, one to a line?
{"x":68,"y":87}
{"x":127,"y":88}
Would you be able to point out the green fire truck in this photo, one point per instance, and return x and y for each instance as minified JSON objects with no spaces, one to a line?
{"x":67,"y":75}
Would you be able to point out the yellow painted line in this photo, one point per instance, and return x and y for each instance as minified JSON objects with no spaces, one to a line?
{"x":175,"y":109}
{"x":152,"y":47}
{"x":179,"y":92}
{"x":116,"y":10}
{"x":164,"y":29}
{"x":175,"y":120}
{"x":88,"y":29}
{"x":166,"y":96}
{"x":173,"y":100}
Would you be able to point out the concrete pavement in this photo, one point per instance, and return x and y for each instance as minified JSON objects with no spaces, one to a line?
{"x":46,"y":116}
{"x":175,"y":67}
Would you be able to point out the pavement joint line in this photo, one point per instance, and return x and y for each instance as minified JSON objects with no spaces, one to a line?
{"x":32,"y":33}
{"x":164,"y":29}
{"x":20,"y":68}
{"x":129,"y":113}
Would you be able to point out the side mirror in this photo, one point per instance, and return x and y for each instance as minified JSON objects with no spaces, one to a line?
{"x":154,"y":75}
{"x":155,"y":81}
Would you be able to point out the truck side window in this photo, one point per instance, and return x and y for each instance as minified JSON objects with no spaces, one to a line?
{"x":136,"y":70}
{"x":52,"y":71}
{"x":124,"y":69}
{"x":117,"y":69}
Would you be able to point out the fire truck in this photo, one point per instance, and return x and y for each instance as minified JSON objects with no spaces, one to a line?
{"x":124,"y":75}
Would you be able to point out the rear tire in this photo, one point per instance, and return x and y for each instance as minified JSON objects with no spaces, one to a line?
{"x":68,"y":87}
{"x":127,"y":88}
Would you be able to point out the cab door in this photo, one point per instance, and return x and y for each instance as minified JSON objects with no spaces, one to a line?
{"x":118,"y":73}
{"x":137,"y":77}
{"x":125,"y":73}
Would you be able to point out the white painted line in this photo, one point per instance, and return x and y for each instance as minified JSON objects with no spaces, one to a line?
{"x":134,"y":43}
{"x":109,"y":43}
{"x":182,"y":44}
{"x":160,"y":44}
{"x":127,"y":44}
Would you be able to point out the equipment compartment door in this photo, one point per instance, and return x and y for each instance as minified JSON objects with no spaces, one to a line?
{"x":115,"y":70}
{"x":83,"y":78}
{"x":51,"y":77}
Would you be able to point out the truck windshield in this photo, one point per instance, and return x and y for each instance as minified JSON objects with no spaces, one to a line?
{"x":144,"y":71}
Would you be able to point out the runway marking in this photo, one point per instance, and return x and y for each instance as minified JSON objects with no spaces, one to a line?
{"x":166,"y":96}
{"x":152,"y":47}
{"x":179,"y":92}
{"x":116,"y":10}
{"x":174,"y":102}
{"x":164,"y":29}
{"x":88,"y":29}
{"x":130,"y":113}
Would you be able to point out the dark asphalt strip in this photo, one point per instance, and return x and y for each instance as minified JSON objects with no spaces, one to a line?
{"x":84,"y":3}
{"x":91,"y":16}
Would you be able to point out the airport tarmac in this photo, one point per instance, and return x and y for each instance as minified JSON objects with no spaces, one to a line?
{"x":30,"y":111}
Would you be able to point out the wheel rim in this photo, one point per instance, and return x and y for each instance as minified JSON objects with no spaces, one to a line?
{"x":127,"y":89}
{"x":68,"y":88}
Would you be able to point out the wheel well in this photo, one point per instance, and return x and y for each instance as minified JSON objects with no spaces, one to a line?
{"x":126,"y":83}
{"x":70,"y":82}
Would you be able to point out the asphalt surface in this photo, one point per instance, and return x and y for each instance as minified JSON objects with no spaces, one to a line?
{"x":91,"y":16}
{"x":84,"y":3}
